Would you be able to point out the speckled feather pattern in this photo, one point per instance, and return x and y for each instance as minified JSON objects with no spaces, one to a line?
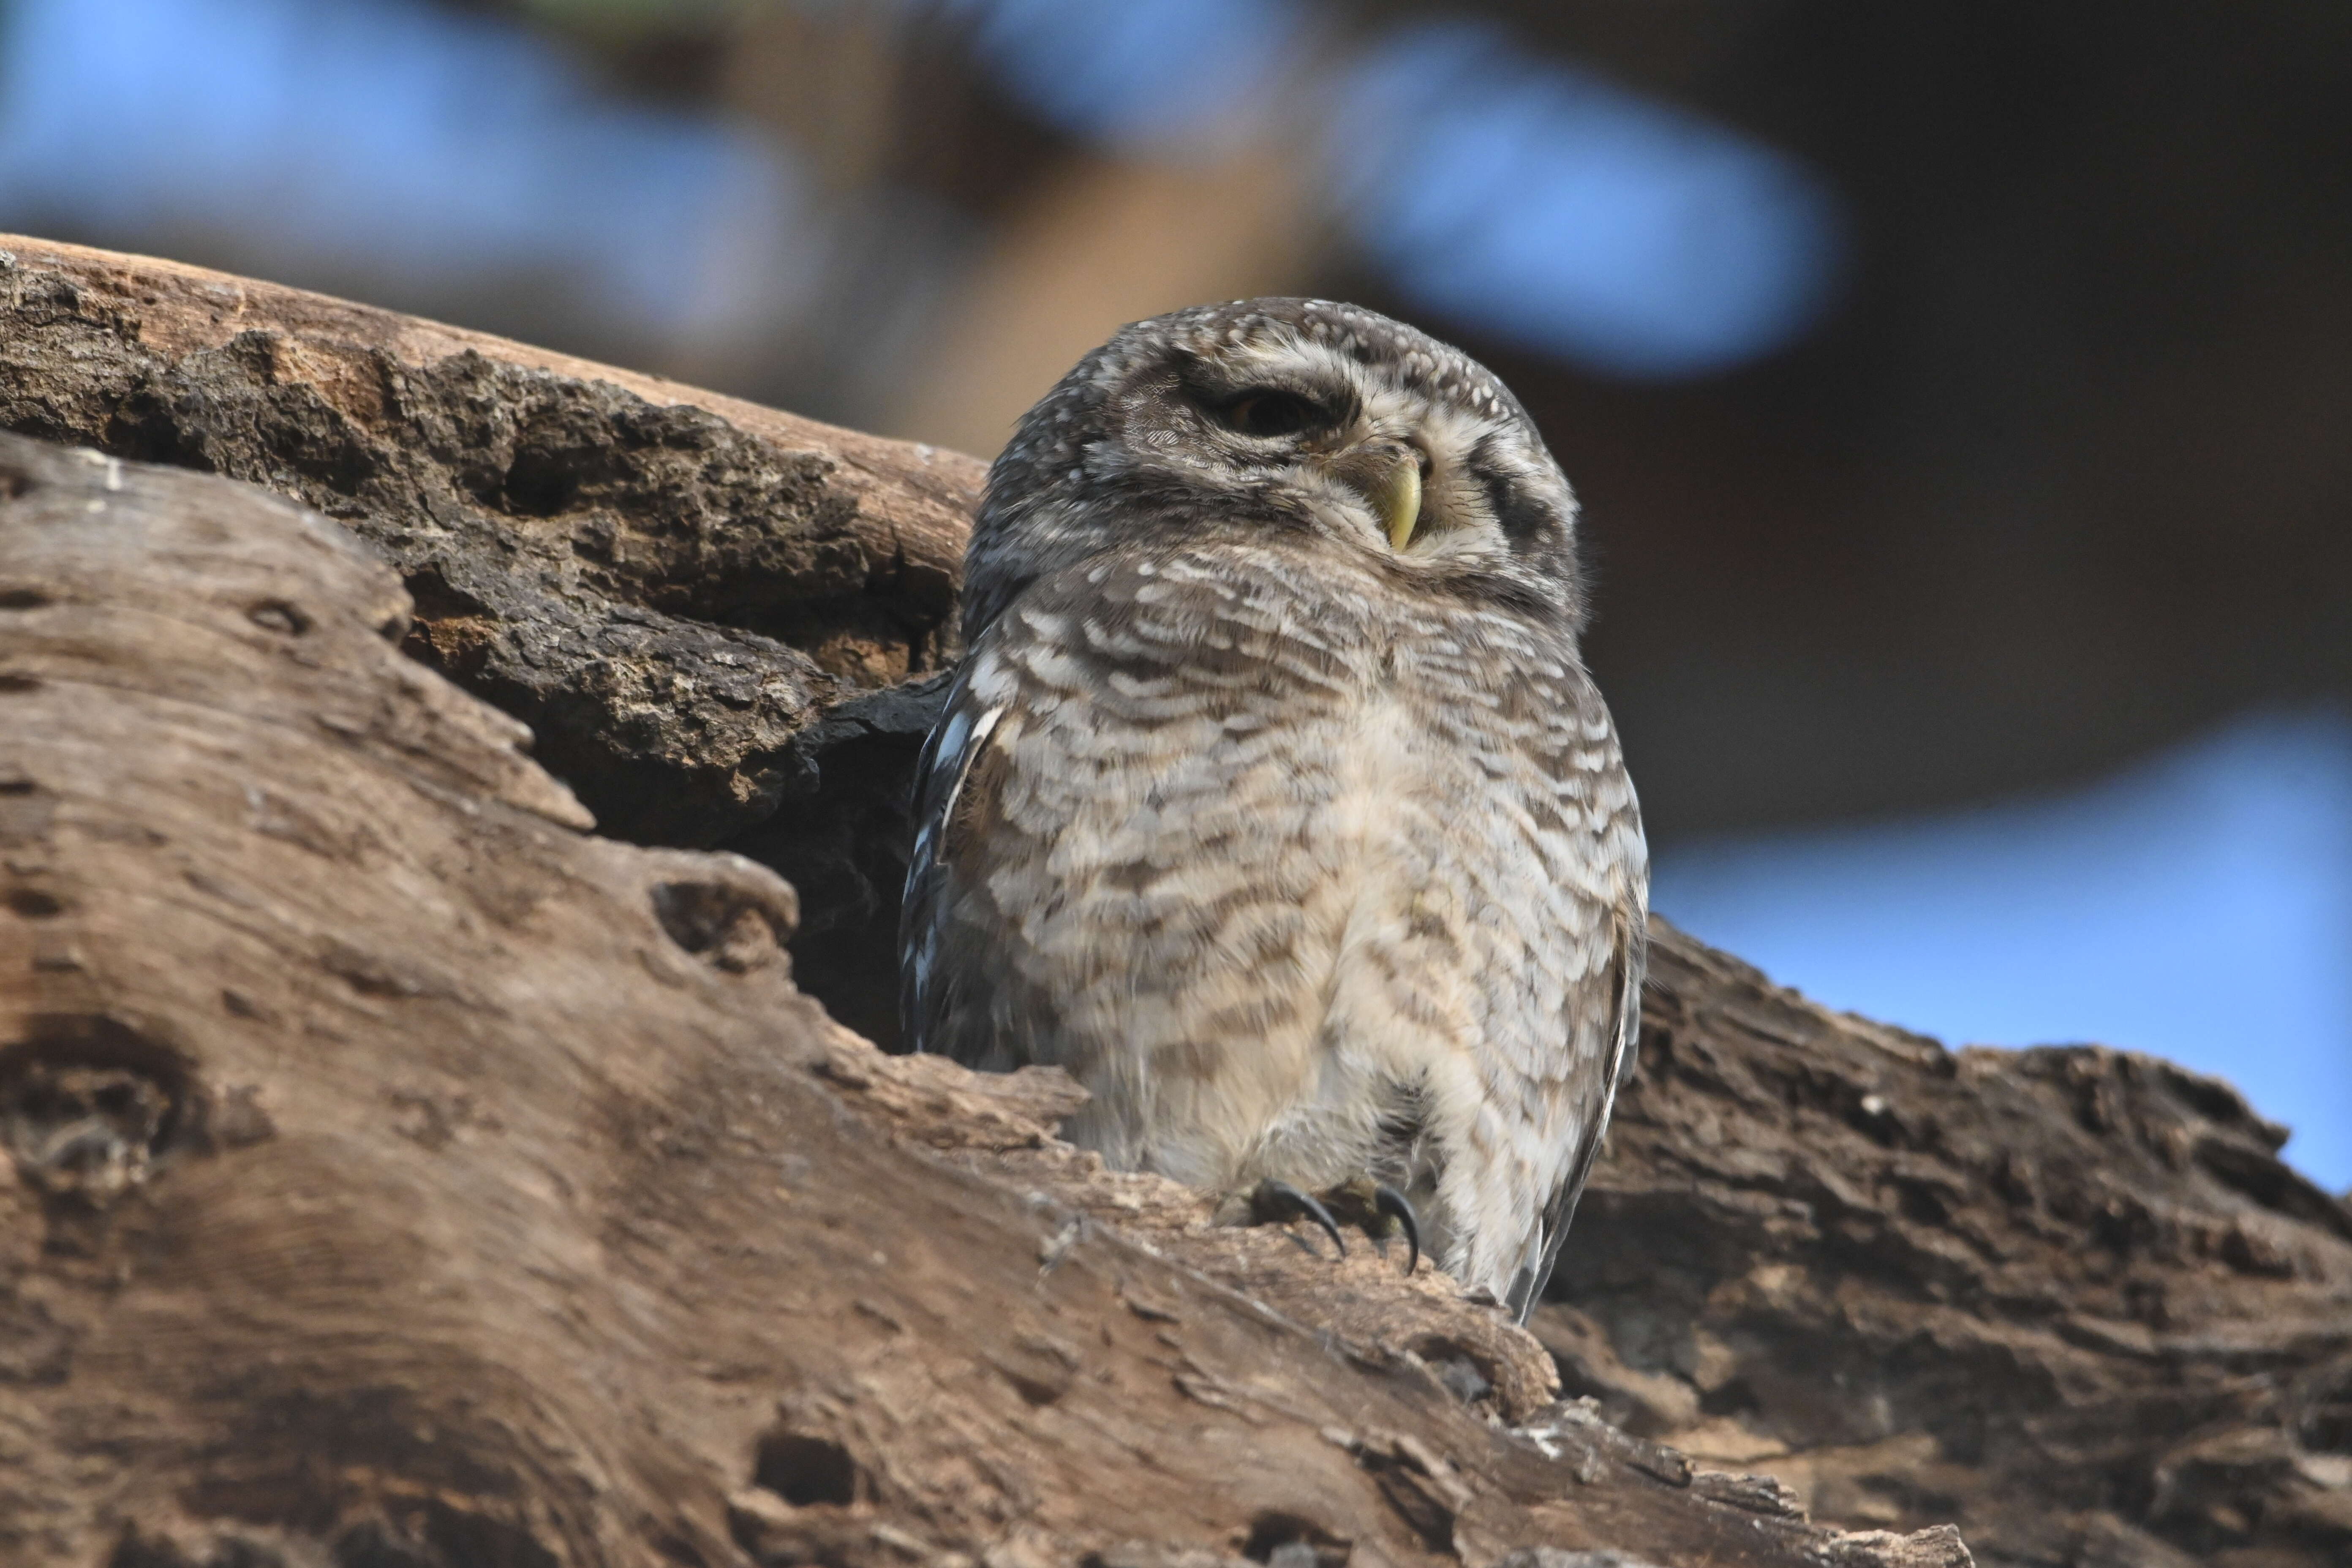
{"x":1310,"y":859}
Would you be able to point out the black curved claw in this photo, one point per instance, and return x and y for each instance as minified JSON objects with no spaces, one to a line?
{"x":1393,"y":1203}
{"x":1275,"y":1199}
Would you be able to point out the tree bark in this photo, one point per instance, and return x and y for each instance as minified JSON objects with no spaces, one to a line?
{"x":670,"y":587}
{"x":403,"y":1174}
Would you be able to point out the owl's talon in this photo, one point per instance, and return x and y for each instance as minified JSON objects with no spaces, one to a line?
{"x":1275,"y":1200}
{"x":1387,"y":1200}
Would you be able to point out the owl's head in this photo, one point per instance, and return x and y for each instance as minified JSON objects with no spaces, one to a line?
{"x":1331,"y":425}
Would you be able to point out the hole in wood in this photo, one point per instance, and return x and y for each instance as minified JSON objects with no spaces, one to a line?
{"x":1467,"y":1377}
{"x":1286,"y":1541}
{"x":729,"y":926}
{"x":2322,"y":1403}
{"x":87,"y":1104}
{"x":24,"y":596}
{"x":542,"y":482}
{"x":278,"y":616}
{"x":438,"y":1534}
{"x":806,"y":1471}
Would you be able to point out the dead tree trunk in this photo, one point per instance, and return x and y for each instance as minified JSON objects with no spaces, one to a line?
{"x":402,"y":1174}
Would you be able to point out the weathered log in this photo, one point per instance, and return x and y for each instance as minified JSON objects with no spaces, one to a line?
{"x":400,"y":1174}
{"x":665,"y":585}
{"x":2069,"y":1298}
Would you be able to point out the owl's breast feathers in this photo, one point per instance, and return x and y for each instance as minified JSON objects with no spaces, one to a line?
{"x":1302,"y":872}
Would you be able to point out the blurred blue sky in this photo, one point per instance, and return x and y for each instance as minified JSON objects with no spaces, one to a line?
{"x":1509,"y":193}
{"x":2199,"y":905}
{"x":386,"y":135}
{"x":1524,"y":198}
{"x":1142,"y":74}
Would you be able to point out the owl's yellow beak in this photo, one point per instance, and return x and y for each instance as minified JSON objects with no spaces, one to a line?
{"x":1398,"y":500}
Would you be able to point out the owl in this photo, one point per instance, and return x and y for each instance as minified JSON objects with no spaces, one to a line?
{"x":1272,"y":799}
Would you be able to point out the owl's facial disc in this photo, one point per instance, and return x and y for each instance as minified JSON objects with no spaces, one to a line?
{"x":1381,"y":439}
{"x":1326,"y":431}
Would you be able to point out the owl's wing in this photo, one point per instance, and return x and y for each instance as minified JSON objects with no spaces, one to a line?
{"x":953,"y":784}
{"x":1630,"y":961}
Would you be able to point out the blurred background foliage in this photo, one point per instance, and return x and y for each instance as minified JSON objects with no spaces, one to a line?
{"x":1960,"y":392}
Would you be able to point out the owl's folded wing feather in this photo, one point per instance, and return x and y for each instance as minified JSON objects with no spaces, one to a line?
{"x":938,"y":1009}
{"x":1629,"y":963}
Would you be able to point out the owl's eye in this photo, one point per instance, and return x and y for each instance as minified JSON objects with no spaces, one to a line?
{"x":1272,"y":413}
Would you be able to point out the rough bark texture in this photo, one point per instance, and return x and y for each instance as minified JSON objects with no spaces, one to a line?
{"x":666,"y":585}
{"x":404,"y":1176}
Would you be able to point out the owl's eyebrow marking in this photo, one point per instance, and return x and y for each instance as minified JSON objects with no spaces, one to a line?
{"x":1519,"y":514}
{"x":1217,"y":387}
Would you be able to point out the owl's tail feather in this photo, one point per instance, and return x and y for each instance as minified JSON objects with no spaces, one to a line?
{"x":1527,"y":1284}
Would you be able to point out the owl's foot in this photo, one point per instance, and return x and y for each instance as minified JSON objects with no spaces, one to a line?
{"x":1272,"y":1202}
{"x":1377,"y":1209}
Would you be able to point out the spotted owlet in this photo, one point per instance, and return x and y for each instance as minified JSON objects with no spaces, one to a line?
{"x":1273,"y":799}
